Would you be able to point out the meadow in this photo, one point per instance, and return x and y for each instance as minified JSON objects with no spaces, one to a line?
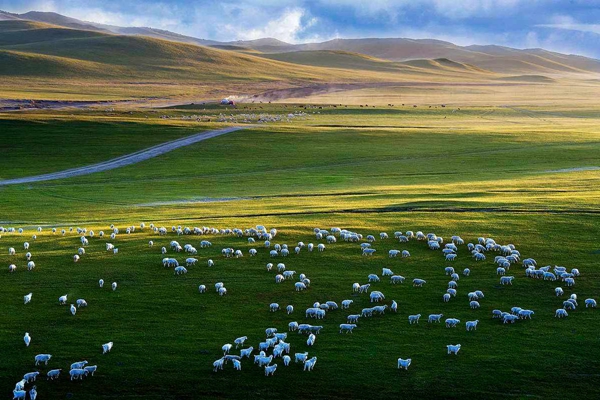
{"x":475,"y":171}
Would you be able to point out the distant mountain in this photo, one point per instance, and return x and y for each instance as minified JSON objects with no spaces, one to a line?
{"x":504,"y":60}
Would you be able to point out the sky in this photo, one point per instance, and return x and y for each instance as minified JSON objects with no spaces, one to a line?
{"x":567,"y":26}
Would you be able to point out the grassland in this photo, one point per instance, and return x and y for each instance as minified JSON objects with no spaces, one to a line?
{"x":477,"y":171}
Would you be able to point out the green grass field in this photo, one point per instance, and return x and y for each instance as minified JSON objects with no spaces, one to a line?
{"x":477,"y":171}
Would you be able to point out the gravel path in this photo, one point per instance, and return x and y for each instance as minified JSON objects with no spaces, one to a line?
{"x":122,"y":161}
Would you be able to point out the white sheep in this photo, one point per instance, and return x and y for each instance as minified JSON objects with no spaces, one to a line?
{"x":226,"y":348}
{"x":270,"y":369}
{"x":387,"y":272}
{"x":373,"y":278}
{"x":560,"y":313}
{"x":404,"y":364}
{"x":311,"y":340}
{"x":218,"y":365}
{"x":590,"y":303}
{"x":12,"y":268}
{"x":91,"y":369}
{"x":53,"y":374}
{"x":79,"y":365}
{"x":101,"y":283}
{"x":33,"y":393}
{"x":114,"y":286}
{"x":73,"y":309}
{"x":202,"y":288}
{"x":472,"y":325}
{"x":414,"y":319}
{"x":19,"y":394}
{"x":474,"y":304}
{"x":310,"y":364}
{"x":42,"y":358}
{"x":27,"y":339}
{"x":222,"y":291}
{"x":27,"y":298}
{"x":81,"y":303}
{"x":435,"y":318}
{"x":506,"y":280}
{"x":76,"y":258}
{"x":62,"y":300}
{"x":418,"y":282}
{"x":321,"y":247}
{"x":364,"y":288}
{"x":246,"y":352}
{"x":347,"y":328}
{"x":289,"y":309}
{"x":453,"y":349}
{"x":180,"y":270}
{"x":353,"y":318}
{"x":300,"y":357}
{"x":240,"y":341}
{"x":273,"y":307}
{"x":106,"y":347}
{"x":346,"y":304}
{"x":11,"y":251}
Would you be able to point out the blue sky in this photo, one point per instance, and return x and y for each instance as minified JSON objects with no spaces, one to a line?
{"x":569,"y":26}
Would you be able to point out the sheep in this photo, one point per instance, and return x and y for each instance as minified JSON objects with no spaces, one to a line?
{"x":222,"y":291}
{"x":452,"y":285}
{"x":404,"y":364}
{"x":27,"y":298}
{"x":405,"y":254}
{"x":42,"y":358}
{"x":474,"y":304}
{"x":226,"y":348}
{"x":525,"y":314}
{"x":414,"y":319}
{"x":394,"y":306}
{"x":30,"y":376}
{"x":19,"y":394}
{"x":310,"y":247}
{"x":246,"y":352}
{"x":288,"y":274}
{"x":75,"y":258}
{"x":81,"y":303}
{"x":20,"y":385}
{"x":500,"y":271}
{"x":347,"y":327}
{"x":446,"y":297}
{"x":472,"y":325}
{"x":33,"y":393}
{"x":210,"y":263}
{"x":355,"y":287}
{"x":452,"y":322}
{"x":455,"y":277}
{"x":393,"y":253}
{"x":375,"y":296}
{"x":11,"y":251}
{"x":79,"y":365}
{"x":12,"y":268}
{"x":91,"y":369}
{"x":568,"y":305}
{"x":418,"y":282}
{"x":453,"y":349}
{"x":101,"y":283}
{"x":30,"y":265}
{"x":114,"y":286}
{"x":346,"y":304}
{"x":270,"y":369}
{"x":286,"y":360}
{"x":368,"y":252}
{"x":311,"y":340}
{"x":202,"y":288}
{"x":321,"y":247}
{"x":28,"y":256}
{"x":300,"y":357}
{"x":289,"y":309}
{"x":373,"y":278}
{"x":62,"y":300}
{"x":509,"y":318}
{"x":496,"y":314}
{"x":473,"y":296}
{"x":590,"y":303}
{"x":364,"y":288}
{"x":435,"y":318}
{"x":394,"y":279}
{"x":560,"y":313}
{"x":163,"y":250}
{"x":506,"y":280}
{"x":218,"y":365}
{"x":451,"y":257}
{"x":451,"y":292}
{"x":106,"y":347}
{"x":53,"y":374}
{"x":240,"y":341}
{"x":191,"y":261}
{"x":466,"y":272}
{"x":569,"y":282}
{"x":273,"y":307}
{"x":264,"y":361}
{"x":479,"y":294}
{"x":180,"y":270}
{"x":310,"y":364}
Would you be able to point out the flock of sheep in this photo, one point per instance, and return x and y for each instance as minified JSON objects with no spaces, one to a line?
{"x":275,"y":342}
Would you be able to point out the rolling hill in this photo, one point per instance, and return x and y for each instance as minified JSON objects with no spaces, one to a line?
{"x":504,"y":60}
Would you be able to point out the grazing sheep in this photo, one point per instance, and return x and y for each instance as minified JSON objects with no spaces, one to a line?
{"x":451,"y":257}
{"x":222,"y":291}
{"x":394,"y":306}
{"x":293,"y":326}
{"x":352,"y":319}
{"x":376,"y":296}
{"x":75,"y":258}
{"x":286,"y":360}
{"x":30,"y":376}
{"x":11,"y":251}
{"x":393,"y":253}
{"x":226,"y":348}
{"x":405,"y":253}
{"x":27,"y":338}
{"x":451,"y":292}
{"x":240,"y":341}
{"x":590,"y":303}
{"x":569,"y":282}
{"x":368,"y":252}
{"x":446,"y":297}
{"x":321,"y":247}
{"x":387,"y":272}
{"x":289,"y":309}
{"x":270,"y":331}
{"x":466,"y":272}
{"x":202,"y":288}
{"x":62,"y":300}
{"x":373,"y":278}
{"x":404,"y":364}
{"x":525,"y":314}
{"x":246,"y":352}
{"x":12,"y":268}
{"x":79,"y":365}
{"x":452,"y":285}
{"x":560,"y":313}
{"x":453,"y":349}
{"x":452,"y":322}
{"x":299,"y":286}
{"x":346,"y":304}
{"x":311,"y":340}
{"x":101,"y":283}
{"x":418,"y":282}
{"x":273,"y":307}
{"x":33,"y":393}
{"x":180,"y":270}
{"x":396,"y":279}
{"x":53,"y":374}
{"x":19,"y":394}
{"x":218,"y":365}
{"x":114,"y":286}
{"x":474,"y":304}
{"x":506,"y":280}
{"x":414,"y":319}
{"x":107,"y":347}
{"x":30,"y":265}
{"x":27,"y":298}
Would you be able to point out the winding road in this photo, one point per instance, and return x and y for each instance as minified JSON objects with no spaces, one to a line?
{"x":122,"y":161}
